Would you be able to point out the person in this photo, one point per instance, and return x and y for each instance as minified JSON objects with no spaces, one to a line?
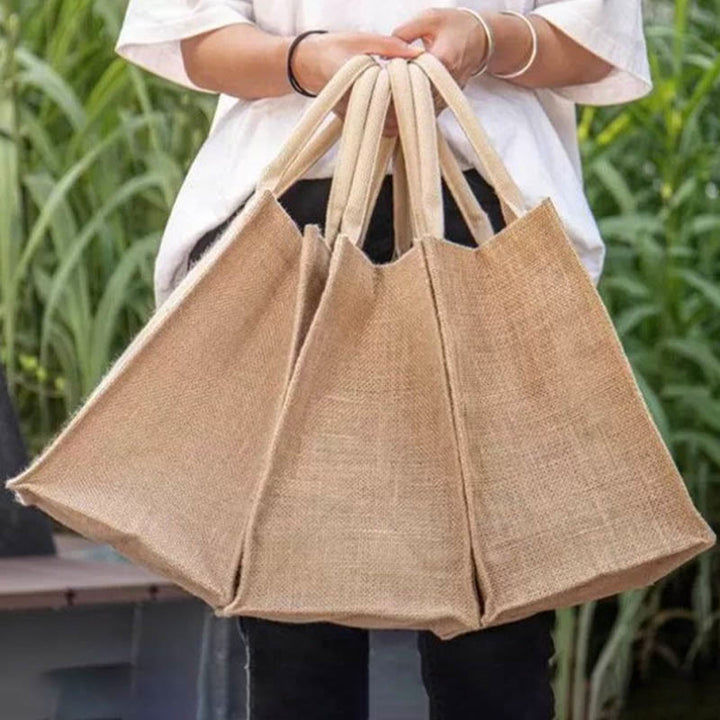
{"x":523,"y":65}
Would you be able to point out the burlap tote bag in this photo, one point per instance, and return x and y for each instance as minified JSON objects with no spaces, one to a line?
{"x":455,"y":438}
{"x":462,"y":441}
{"x":571,"y":492}
{"x":163,"y":459}
{"x":360,"y":517}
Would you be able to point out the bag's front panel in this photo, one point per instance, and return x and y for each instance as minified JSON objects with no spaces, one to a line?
{"x":573,"y":493}
{"x":164,"y":462}
{"x":361,"y":518}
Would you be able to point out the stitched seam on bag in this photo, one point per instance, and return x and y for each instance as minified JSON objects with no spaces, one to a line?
{"x":453,"y":414}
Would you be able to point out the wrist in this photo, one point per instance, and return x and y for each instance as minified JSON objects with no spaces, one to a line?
{"x":280,"y":56}
{"x":513,"y":43}
{"x":482,"y":41}
{"x":302,"y":61}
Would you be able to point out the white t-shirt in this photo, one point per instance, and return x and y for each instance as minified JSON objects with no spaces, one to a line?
{"x":533,"y":130}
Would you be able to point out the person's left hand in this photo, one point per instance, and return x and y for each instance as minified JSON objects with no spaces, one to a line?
{"x":455,"y":38}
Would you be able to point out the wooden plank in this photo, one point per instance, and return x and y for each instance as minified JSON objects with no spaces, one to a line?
{"x":51,"y":582}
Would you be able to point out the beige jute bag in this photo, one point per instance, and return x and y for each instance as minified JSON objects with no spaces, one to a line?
{"x":164,"y":457}
{"x":360,"y":517}
{"x":571,"y":492}
{"x":462,"y":442}
{"x":456,"y":438}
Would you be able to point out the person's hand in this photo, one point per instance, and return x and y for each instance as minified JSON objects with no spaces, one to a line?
{"x":455,"y":37}
{"x":319,"y":56}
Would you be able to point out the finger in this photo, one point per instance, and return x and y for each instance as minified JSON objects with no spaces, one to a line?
{"x":424,"y":25}
{"x":444,"y":50}
{"x":388,"y":46}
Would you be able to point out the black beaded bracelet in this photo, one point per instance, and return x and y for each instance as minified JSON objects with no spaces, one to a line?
{"x":290,"y":75}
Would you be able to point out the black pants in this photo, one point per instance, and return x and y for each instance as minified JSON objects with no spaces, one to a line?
{"x":319,"y":670}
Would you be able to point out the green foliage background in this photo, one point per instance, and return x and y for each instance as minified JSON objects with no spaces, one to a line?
{"x":93,"y":151}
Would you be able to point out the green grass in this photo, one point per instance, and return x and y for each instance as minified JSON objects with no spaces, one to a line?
{"x":652,"y":173}
{"x":93,"y":151}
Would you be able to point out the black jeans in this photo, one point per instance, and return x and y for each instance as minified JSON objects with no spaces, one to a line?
{"x":319,"y":670}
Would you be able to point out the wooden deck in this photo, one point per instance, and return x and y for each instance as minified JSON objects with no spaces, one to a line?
{"x":85,"y":635}
{"x":70,"y":578}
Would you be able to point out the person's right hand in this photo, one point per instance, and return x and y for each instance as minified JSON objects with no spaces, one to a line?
{"x":319,"y":56}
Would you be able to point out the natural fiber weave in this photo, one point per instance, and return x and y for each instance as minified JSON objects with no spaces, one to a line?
{"x":361,"y":517}
{"x":573,"y":494}
{"x":448,"y":441}
{"x":163,"y":459}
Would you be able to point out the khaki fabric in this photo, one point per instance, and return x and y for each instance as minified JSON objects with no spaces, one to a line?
{"x":163,"y":459}
{"x":453,"y":385}
{"x":571,"y":491}
{"x":448,"y":441}
{"x":361,"y":517}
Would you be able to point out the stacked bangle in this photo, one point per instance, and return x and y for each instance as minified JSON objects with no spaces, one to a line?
{"x":291,"y":50}
{"x":490,"y":44}
{"x":533,"y":51}
{"x":489,"y":37}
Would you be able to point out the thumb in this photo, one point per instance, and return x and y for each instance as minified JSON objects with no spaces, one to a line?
{"x":390,"y":46}
{"x":420,"y":27}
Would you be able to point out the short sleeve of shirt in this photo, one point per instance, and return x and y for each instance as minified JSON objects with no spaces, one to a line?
{"x":152,"y":30}
{"x":612,"y":30}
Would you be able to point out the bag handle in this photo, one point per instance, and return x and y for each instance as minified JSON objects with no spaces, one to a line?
{"x":509,"y":194}
{"x":432,"y":221}
{"x":371,"y":157}
{"x":475,"y":217}
{"x":378,"y":149}
{"x":412,"y":81}
{"x":350,"y":132}
{"x":335,"y":89}
{"x":309,"y":152}
{"x":389,"y":149}
{"x":351,"y":129}
{"x":402,"y":215}
{"x":358,"y":111}
{"x":318,"y":145}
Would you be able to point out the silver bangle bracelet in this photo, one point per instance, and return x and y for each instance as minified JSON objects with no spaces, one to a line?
{"x":490,"y":37}
{"x":533,"y":52}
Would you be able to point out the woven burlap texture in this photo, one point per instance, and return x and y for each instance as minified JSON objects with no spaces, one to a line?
{"x":448,"y":441}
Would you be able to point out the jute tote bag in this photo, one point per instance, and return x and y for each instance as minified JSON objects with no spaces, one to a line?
{"x":163,"y":459}
{"x":379,"y":463}
{"x":462,"y":441}
{"x":360,"y":517}
{"x":571,"y":492}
